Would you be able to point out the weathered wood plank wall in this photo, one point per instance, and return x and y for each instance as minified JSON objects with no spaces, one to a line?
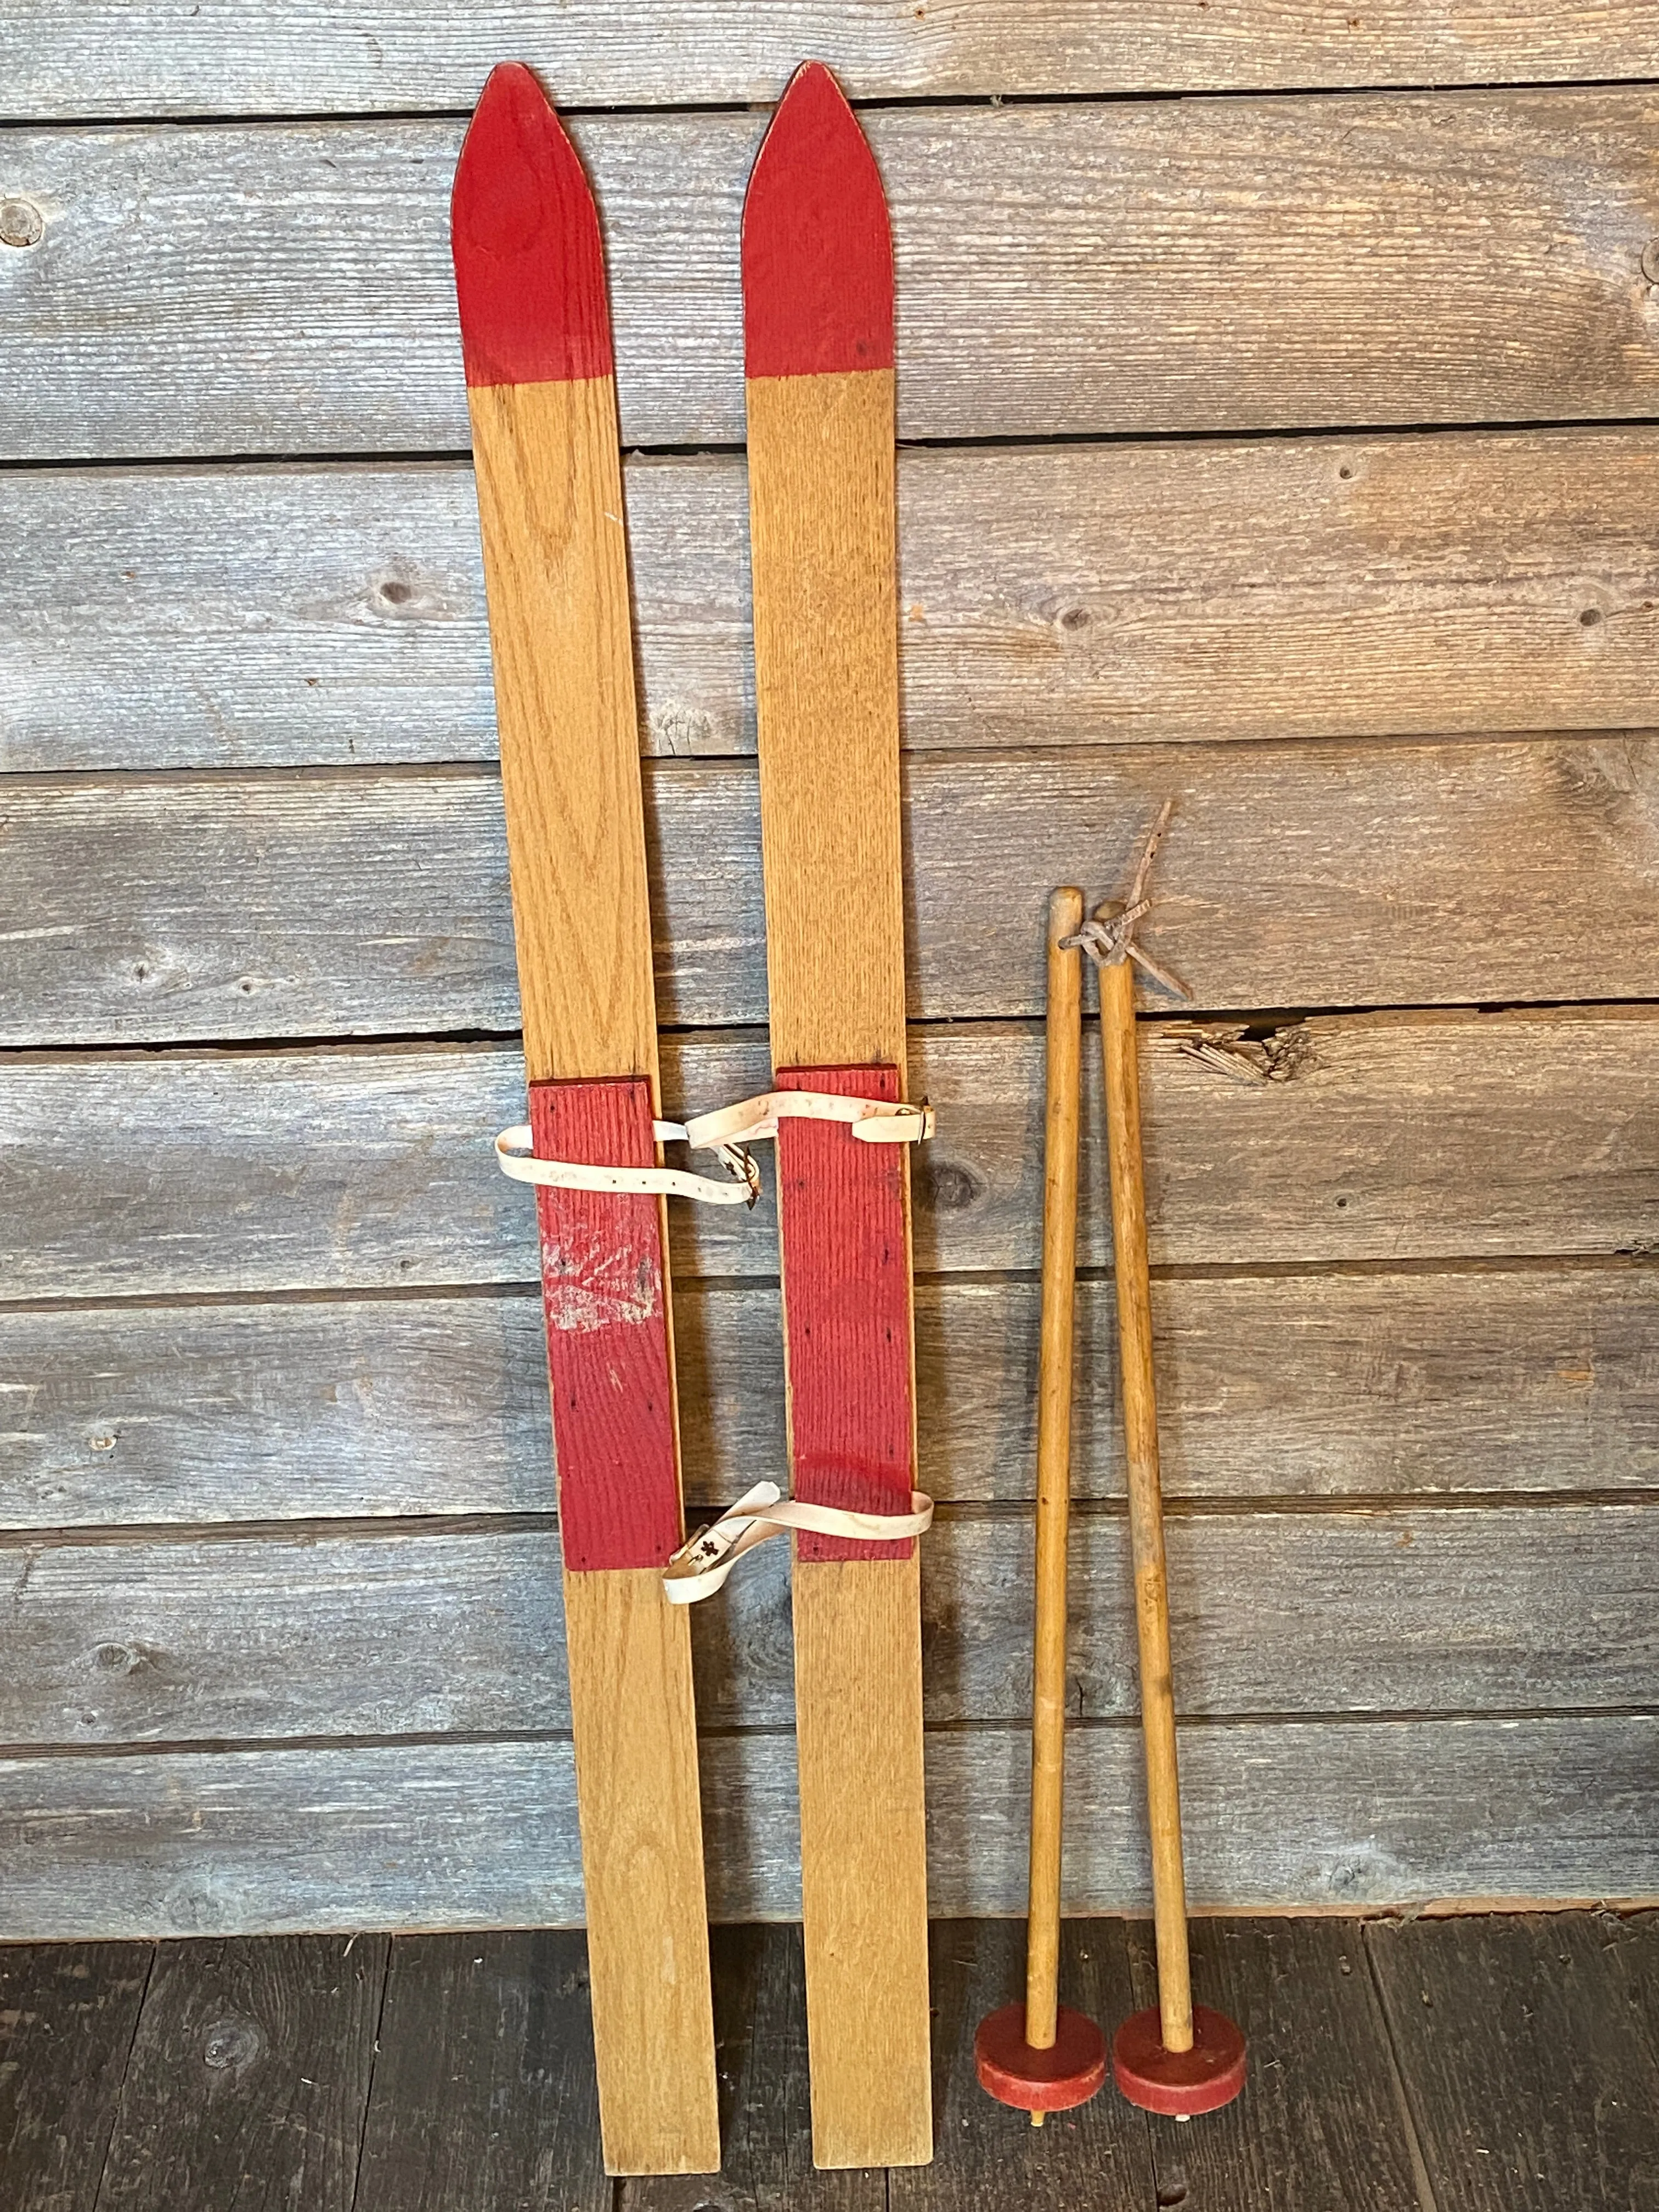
{"x":1084,"y":594}
{"x":286,"y":288}
{"x":118,"y":57}
{"x":353,"y":903}
{"x":276,"y":1513}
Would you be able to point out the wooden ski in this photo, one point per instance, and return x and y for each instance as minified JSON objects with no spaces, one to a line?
{"x":817,"y":283}
{"x":536,"y":337}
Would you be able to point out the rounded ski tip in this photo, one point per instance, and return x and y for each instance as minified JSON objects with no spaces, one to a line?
{"x":817,"y":250}
{"x":528,"y":264}
{"x":1180,"y":2082}
{"x":1051,"y":2081}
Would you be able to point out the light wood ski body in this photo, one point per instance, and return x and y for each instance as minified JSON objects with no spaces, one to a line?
{"x":535,"y":334}
{"x":818,"y":316}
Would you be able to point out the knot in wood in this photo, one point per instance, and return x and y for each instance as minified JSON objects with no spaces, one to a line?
{"x":233,"y":2043}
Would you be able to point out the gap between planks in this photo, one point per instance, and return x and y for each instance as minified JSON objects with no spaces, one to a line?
{"x":1217,"y":1271}
{"x":1114,"y":757}
{"x":1127,"y":1724}
{"x":310,"y":1529}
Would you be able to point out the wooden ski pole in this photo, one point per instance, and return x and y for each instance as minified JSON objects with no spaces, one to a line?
{"x":817,"y":279}
{"x":1176,"y":2057}
{"x":1041,"y":2056}
{"x":1117,"y":1029}
{"x":536,"y":337}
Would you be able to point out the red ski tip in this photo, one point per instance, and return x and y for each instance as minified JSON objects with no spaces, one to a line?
{"x":817,"y":253}
{"x":529,"y":266}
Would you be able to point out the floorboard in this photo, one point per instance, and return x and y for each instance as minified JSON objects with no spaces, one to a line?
{"x":484,"y":2098}
{"x":987,"y":2155}
{"x":1320,"y":2125}
{"x":248,"y":2077}
{"x":67,"y":2017}
{"x":760,"y":2030}
{"x":1530,"y":2050}
{"x":1502,"y":2064}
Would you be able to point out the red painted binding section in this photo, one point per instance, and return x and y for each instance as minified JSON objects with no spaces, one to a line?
{"x":607,"y":1332}
{"x":847,"y":1308}
{"x":529,"y":265}
{"x":817,"y":253}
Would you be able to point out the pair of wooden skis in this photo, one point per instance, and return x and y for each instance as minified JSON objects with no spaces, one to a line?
{"x":819,"y":327}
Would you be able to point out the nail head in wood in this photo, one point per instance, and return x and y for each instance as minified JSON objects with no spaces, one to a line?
{"x":21,"y":224}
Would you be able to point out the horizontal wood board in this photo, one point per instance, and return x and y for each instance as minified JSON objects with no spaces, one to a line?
{"x":400,"y":1633}
{"x":138,"y":912}
{"x":109,"y":59}
{"x":1123,"y":268}
{"x":1082,"y":594}
{"x":1402,"y":1258}
{"x":1375,"y":1383}
{"x":471,"y":1835}
{"x":1373,"y":1137}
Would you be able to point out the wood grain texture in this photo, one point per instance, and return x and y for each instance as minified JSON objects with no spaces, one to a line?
{"x":864,"y":1866}
{"x":1420,"y":215}
{"x":478,"y":1835}
{"x":634,"y":1726}
{"x":849,"y":1346}
{"x":530,"y":282}
{"x":1356,"y":1385}
{"x":760,"y":2026}
{"x":1346,"y":874}
{"x":1384,"y":1137}
{"x":1321,"y":2107}
{"x":66,"y":2026}
{"x":823,"y":535}
{"x":610,"y":1348}
{"x":1564,"y":2014}
{"x":1095,"y":2154}
{"x":281,"y":615}
{"x":823,"y":552}
{"x":556,"y":563}
{"x":529,"y":275}
{"x":483,"y":2095}
{"x":816,"y":245}
{"x":248,"y":2078}
{"x":1139,"y":1394}
{"x":1056,"y":1374}
{"x":111,"y":60}
{"x":262,"y":1638}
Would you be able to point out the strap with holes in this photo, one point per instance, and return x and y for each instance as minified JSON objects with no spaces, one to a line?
{"x":702,"y":1564}
{"x":729,"y":1131}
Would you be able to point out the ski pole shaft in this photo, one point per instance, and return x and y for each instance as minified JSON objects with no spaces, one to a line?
{"x":1134,"y":1322}
{"x":1060,"y":1176}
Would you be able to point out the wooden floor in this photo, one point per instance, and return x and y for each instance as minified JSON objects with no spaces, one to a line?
{"x":1504,"y":2065}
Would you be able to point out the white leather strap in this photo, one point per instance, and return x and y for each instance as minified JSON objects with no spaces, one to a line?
{"x":876,"y":1121}
{"x":514,"y":1157}
{"x":702,"y":1563}
{"x":728,"y":1131}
